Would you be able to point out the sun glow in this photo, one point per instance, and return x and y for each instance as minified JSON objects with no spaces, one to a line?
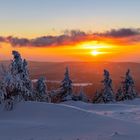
{"x":95,"y":53}
{"x":97,"y":49}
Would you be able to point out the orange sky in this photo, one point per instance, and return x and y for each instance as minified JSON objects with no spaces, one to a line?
{"x":42,"y":30}
{"x":99,"y":49}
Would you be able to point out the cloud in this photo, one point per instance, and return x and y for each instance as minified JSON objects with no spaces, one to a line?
{"x":68,"y":38}
{"x":123,"y":32}
{"x":122,"y":36}
{"x":2,"y":39}
{"x":14,"y":41}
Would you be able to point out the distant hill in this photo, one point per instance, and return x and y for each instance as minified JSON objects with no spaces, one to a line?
{"x":83,"y":72}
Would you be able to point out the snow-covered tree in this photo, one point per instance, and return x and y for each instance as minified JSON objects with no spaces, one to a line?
{"x":2,"y":92}
{"x":2,"y":87}
{"x":66,"y":87}
{"x":41,"y":90}
{"x":6,"y":94}
{"x":20,"y":75}
{"x":128,"y":86}
{"x":16,"y":84}
{"x":107,"y":92}
{"x":127,"y":89}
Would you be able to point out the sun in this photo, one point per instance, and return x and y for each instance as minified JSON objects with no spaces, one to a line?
{"x":95,"y":53}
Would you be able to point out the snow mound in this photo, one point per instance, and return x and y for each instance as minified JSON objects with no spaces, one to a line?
{"x":67,"y":121}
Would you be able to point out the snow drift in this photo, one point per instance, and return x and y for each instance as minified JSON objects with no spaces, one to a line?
{"x":71,"y":121}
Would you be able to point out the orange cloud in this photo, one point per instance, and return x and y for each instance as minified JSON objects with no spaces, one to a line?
{"x":121,"y":44}
{"x":121,"y":37}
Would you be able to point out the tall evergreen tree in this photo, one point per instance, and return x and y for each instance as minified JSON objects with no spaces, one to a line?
{"x":2,"y":92}
{"x":2,"y":86}
{"x":66,"y":87}
{"x":16,"y":80}
{"x":128,"y":86}
{"x":7,"y":89}
{"x":107,"y":91}
{"x":41,"y":90}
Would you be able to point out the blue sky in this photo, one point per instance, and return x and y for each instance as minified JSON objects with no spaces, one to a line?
{"x":39,"y":17}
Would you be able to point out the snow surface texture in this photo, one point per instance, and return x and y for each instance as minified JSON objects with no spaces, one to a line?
{"x":71,"y":121}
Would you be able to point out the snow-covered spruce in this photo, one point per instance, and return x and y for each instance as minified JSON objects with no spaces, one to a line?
{"x":6,"y":90}
{"x":106,"y":94}
{"x":41,"y":90}
{"x":66,"y":87}
{"x":2,"y":86}
{"x":16,"y":84}
{"x":20,"y":74}
{"x":2,"y":92}
{"x":127,"y":90}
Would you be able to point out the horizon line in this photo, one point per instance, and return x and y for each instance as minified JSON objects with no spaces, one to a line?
{"x":76,"y":61}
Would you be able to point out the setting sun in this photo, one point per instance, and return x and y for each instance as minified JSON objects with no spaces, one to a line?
{"x":95,"y":53}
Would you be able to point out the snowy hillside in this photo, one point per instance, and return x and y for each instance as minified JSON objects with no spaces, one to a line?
{"x":71,"y":121}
